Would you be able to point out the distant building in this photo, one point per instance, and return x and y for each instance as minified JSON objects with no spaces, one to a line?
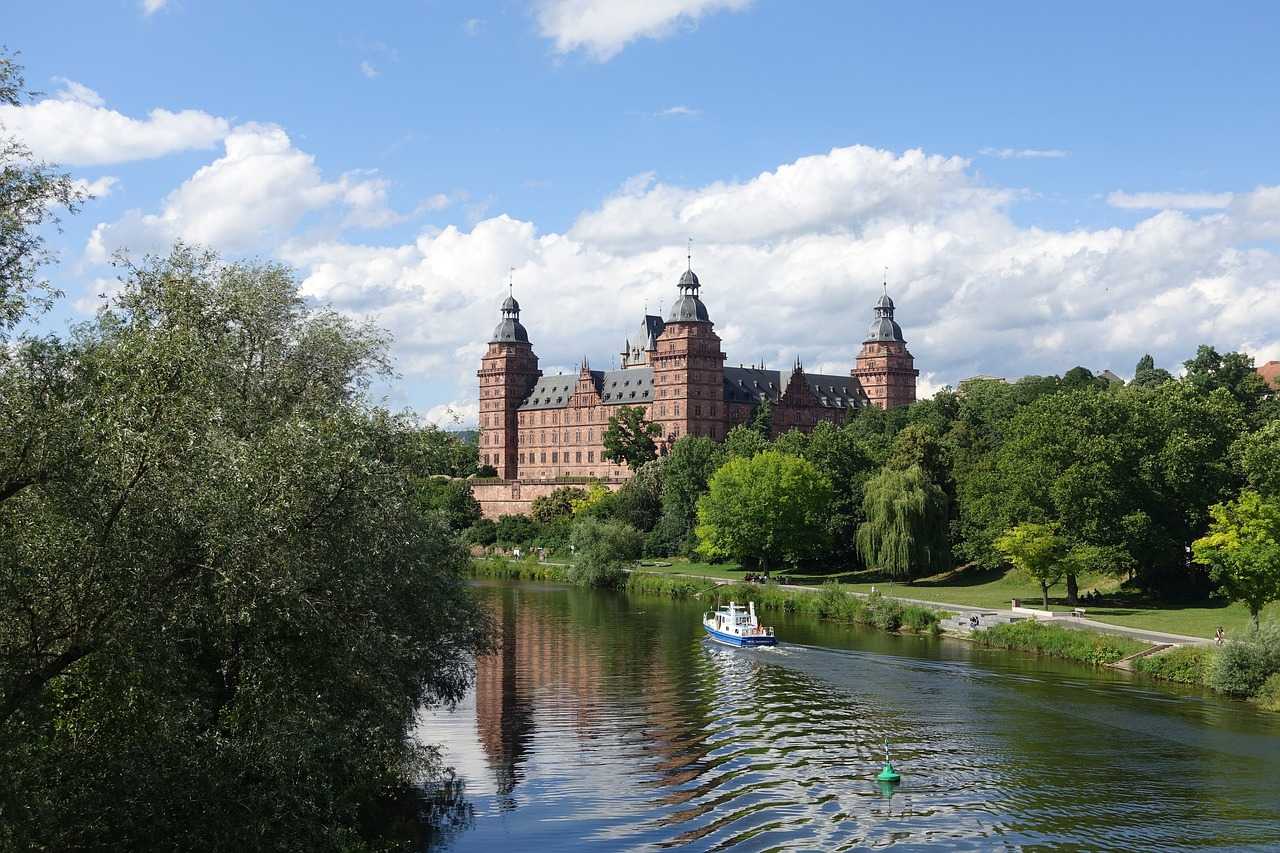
{"x":536,"y":428}
{"x":1270,"y":373}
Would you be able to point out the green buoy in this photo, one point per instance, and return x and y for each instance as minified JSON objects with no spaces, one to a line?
{"x":887,"y":773}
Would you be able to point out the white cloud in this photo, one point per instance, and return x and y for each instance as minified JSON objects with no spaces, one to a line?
{"x":456,"y":414}
{"x":98,"y":188}
{"x":602,"y":28}
{"x":1025,"y":153}
{"x":150,"y":7}
{"x":367,"y":69}
{"x":678,"y":111}
{"x":1169,"y":201}
{"x":791,"y":260}
{"x":75,"y":128}
{"x":251,"y":198}
{"x":473,"y":26}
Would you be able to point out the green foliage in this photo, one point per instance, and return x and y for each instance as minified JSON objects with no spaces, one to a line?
{"x":905,"y":533}
{"x":31,"y":195}
{"x":1259,"y":458}
{"x":667,"y":586}
{"x":1183,"y":664}
{"x":768,"y":509}
{"x":483,"y":532}
{"x":218,"y":582}
{"x":630,"y":438}
{"x":1242,"y":550}
{"x":1245,"y":664}
{"x":558,"y":504}
{"x":515,"y":530}
{"x":762,"y":419}
{"x":1147,"y":375}
{"x":1036,"y":551}
{"x":1055,"y":641}
{"x":686,"y":471}
{"x":1268,"y":695}
{"x":834,"y":603}
{"x":1232,"y":372}
{"x":639,"y":501}
{"x":602,"y":551}
{"x":451,"y":498}
{"x":523,"y":570}
{"x":743,"y":442}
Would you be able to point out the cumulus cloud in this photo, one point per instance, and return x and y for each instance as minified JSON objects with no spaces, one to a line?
{"x":251,"y":198}
{"x":1025,"y":153}
{"x":98,"y":188}
{"x":790,"y":261}
{"x":1169,"y":201}
{"x":74,"y":127}
{"x":602,"y":28}
{"x":150,"y":7}
{"x":367,"y":69}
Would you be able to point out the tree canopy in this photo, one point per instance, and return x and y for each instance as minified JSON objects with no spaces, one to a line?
{"x":1242,"y":550}
{"x":768,"y":509}
{"x":905,"y":532}
{"x":630,"y":438}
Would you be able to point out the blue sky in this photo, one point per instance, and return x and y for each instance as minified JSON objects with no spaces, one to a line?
{"x":1096,"y":180}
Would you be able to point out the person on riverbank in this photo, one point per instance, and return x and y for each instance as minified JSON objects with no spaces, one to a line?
{"x":1220,"y":636}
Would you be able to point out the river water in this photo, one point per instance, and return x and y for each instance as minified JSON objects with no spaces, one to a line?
{"x":606,"y":722}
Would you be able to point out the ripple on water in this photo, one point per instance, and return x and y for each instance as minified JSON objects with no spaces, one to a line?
{"x":596,"y":727}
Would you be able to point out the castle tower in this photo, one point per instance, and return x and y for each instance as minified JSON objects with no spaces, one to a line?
{"x":688,"y":369}
{"x":508,"y":371}
{"x":884,"y":367}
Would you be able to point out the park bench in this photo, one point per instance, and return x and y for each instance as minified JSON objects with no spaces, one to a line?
{"x":1078,"y":612}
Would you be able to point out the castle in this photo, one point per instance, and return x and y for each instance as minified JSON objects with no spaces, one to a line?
{"x":536,"y":429}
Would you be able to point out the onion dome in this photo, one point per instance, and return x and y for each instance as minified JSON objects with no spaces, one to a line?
{"x":509,"y":329}
{"x":688,"y":307}
{"x":884,"y":327}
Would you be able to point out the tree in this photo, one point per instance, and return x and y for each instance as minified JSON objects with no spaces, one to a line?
{"x":905,"y":533}
{"x":1242,"y":550}
{"x":630,"y":438}
{"x":1234,"y":372}
{"x":31,"y":194}
{"x":516,"y":530}
{"x":558,"y":504}
{"x":602,"y":550}
{"x":769,"y":509}
{"x":1147,"y":375}
{"x":744,"y":442}
{"x":1035,"y":550}
{"x":1081,"y":377}
{"x":639,"y":501}
{"x":1259,"y":458}
{"x":686,"y":471}
{"x":451,"y":498}
{"x":217,"y":579}
{"x":762,"y":419}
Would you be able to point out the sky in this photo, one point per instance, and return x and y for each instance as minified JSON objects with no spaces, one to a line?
{"x":1046,"y":187}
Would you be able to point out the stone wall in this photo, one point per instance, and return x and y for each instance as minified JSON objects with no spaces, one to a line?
{"x":514,"y":497}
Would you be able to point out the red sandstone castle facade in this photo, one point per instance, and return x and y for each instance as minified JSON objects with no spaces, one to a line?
{"x":539,"y":428}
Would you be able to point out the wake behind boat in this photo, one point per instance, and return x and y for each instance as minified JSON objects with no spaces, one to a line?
{"x":737,"y":626}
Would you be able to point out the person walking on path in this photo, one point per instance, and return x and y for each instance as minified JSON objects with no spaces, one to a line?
{"x":1219,"y":635}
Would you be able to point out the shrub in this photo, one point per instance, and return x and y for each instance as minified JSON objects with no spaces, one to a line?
{"x":649,"y":583}
{"x":1244,"y":665}
{"x":558,"y":504}
{"x":516,"y":530}
{"x":1268,"y":696}
{"x":1185,"y":665}
{"x":483,"y":532}
{"x":602,"y":550}
{"x":1069,"y":643}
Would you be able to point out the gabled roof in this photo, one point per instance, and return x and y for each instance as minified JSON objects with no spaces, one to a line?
{"x":633,"y":387}
{"x":751,"y":385}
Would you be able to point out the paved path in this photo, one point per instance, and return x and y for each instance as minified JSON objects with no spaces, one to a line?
{"x":965,"y":610}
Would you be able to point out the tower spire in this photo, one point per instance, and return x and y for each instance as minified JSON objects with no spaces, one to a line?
{"x":689,"y":255}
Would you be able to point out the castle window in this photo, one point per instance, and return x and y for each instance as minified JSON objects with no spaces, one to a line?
{"x":697,"y":411}
{"x":544,"y":456}
{"x":553,"y":457}
{"x":577,"y":456}
{"x":591,"y":457}
{"x":521,"y":458}
{"x":676,"y":408}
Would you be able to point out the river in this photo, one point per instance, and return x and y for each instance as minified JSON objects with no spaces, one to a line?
{"x":606,"y":722}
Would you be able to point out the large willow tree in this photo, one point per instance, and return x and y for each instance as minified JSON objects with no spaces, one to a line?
{"x":905,"y":533}
{"x":220,"y":600}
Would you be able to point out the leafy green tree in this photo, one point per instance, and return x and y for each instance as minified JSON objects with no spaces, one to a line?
{"x":602,"y":550}
{"x":1242,"y":550}
{"x":768,"y":509}
{"x":744,"y":442}
{"x":842,"y":459}
{"x":1037,"y":551}
{"x":514,"y":530}
{"x":1234,"y":372}
{"x":639,"y":501}
{"x":1259,"y":458}
{"x":905,"y":533}
{"x":686,"y":471}
{"x":217,"y":579}
{"x":31,"y":195}
{"x":433,"y":451}
{"x":451,"y":498}
{"x":483,"y":532}
{"x":630,"y":438}
{"x":1081,"y":377}
{"x":1147,"y":375}
{"x":762,"y":419}
{"x":558,"y":504}
{"x":922,"y":446}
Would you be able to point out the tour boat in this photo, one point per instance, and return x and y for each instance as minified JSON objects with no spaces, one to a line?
{"x":734,"y":625}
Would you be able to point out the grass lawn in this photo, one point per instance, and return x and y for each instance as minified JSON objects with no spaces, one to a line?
{"x":685,"y":566}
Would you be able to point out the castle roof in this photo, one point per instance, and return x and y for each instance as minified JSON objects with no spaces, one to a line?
{"x":688,"y":307}
{"x":509,"y":328}
{"x":632,"y":387}
{"x":753,"y":385}
{"x":884,"y":327}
